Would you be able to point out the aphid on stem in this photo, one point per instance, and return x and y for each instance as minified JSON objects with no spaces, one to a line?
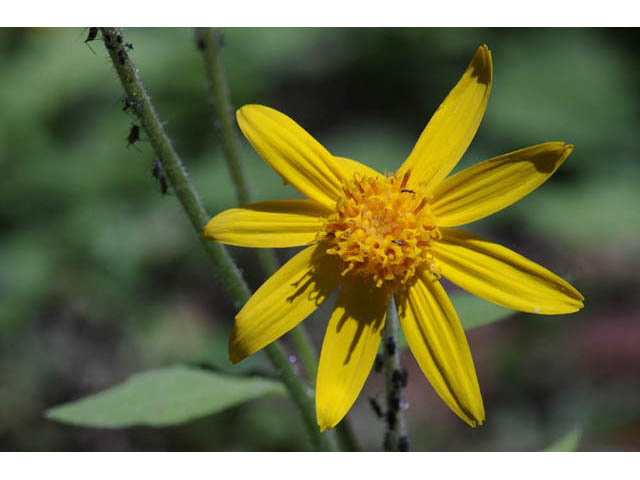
{"x":158,"y":173}
{"x":390,"y":345}
{"x":400,"y":378}
{"x":129,"y":103}
{"x":134,"y":134}
{"x":121,"y":41}
{"x":375,"y":406}
{"x":108,"y":41}
{"x":378,"y":364}
{"x":93,"y":33}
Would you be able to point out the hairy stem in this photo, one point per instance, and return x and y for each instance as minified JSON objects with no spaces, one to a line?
{"x":138,"y":101}
{"x":209,"y":42}
{"x":395,"y":436}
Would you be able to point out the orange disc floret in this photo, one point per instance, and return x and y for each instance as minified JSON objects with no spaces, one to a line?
{"x":381,"y":229}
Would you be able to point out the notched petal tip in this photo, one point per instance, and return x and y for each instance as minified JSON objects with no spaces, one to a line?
{"x":482,"y":65}
{"x":324,"y":425}
{"x":476,"y":423}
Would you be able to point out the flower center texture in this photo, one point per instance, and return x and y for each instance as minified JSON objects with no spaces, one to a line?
{"x":381,"y":229}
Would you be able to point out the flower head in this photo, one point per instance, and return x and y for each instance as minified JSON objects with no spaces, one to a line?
{"x":374,"y":235}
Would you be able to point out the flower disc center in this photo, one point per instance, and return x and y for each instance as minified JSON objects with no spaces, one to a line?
{"x":381,"y":229}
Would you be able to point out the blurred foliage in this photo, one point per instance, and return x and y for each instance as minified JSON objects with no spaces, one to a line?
{"x":101,"y":276}
{"x":568,"y":443}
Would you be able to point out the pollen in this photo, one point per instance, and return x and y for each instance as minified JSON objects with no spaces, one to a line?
{"x":382,"y":230}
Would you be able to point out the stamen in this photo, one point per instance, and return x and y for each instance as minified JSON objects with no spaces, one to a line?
{"x":380,"y":232}
{"x":421,"y":206}
{"x":405,"y":179}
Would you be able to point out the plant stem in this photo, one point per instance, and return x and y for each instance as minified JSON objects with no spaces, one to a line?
{"x":139,"y":102}
{"x":209,"y":42}
{"x":395,"y":436}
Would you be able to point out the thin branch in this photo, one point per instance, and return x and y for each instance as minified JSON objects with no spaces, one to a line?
{"x":139,"y":102}
{"x":209,"y":42}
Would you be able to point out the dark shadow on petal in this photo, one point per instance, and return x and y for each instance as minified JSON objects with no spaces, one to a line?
{"x":402,"y":302}
{"x":353,"y":310}
{"x":320,"y":280}
{"x":481,"y":66}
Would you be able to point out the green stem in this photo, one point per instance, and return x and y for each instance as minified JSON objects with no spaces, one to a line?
{"x":346,"y":437}
{"x":139,"y":102}
{"x":209,"y":41}
{"x":395,"y":437}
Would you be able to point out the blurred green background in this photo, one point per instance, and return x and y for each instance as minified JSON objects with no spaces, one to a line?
{"x":101,"y":276}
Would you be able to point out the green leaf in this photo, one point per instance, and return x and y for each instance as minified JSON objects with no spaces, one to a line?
{"x":568,"y":443}
{"x":164,"y":397}
{"x":473,"y":312}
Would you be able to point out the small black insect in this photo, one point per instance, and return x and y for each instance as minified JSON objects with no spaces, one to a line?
{"x":134,"y":134}
{"x":400,"y":378}
{"x":93,"y":33}
{"x":392,"y":419}
{"x":398,"y":242}
{"x":390,"y":345}
{"x":403,"y":443}
{"x":375,"y":406}
{"x":121,"y":56}
{"x":393,"y":400}
{"x":405,"y":378}
{"x":159,"y":174}
{"x":406,"y":190}
{"x":378,"y":364}
{"x":200,"y":42}
{"x":129,"y":104}
{"x":108,"y":41}
{"x":121,"y":41}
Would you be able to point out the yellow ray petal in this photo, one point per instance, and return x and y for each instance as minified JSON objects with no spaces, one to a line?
{"x":297,"y":157}
{"x":283,"y":301}
{"x":349,"y":349}
{"x":501,"y":276}
{"x":494,"y":184}
{"x":351,"y":167}
{"x":451,"y":129}
{"x":437,"y":341}
{"x":278,"y":223}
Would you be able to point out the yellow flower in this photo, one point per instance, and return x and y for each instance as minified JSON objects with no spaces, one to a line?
{"x":377,"y":235}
